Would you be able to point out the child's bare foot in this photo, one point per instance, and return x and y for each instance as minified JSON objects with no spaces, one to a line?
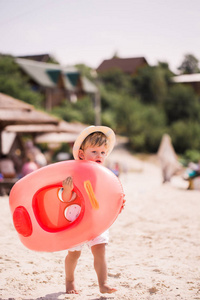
{"x":107,"y":289}
{"x":70,"y":288}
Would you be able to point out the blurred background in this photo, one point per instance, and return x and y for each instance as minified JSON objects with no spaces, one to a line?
{"x":130,"y":65}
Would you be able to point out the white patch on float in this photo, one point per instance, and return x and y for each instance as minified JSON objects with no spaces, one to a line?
{"x":72,"y":212}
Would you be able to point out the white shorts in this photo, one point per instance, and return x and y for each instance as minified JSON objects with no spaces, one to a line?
{"x":101,"y":239}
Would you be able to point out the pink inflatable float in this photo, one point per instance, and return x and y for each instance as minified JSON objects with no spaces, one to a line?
{"x":42,"y":219}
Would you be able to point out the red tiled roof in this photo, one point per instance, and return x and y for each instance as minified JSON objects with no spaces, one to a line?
{"x":40,"y":57}
{"x":127,"y":65}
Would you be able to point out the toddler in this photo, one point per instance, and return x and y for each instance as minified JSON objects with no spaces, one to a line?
{"x":93,"y":144}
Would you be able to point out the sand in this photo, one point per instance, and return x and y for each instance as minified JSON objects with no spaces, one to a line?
{"x":153,"y":253}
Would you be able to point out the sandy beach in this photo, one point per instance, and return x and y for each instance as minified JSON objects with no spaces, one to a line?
{"x":153,"y":253}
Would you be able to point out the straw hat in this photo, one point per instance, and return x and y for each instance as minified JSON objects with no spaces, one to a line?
{"x":109,"y":133}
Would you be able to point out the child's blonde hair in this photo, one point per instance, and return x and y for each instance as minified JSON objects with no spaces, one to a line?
{"x":95,"y":139}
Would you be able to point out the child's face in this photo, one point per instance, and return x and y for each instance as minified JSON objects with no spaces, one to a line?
{"x":96,"y":154}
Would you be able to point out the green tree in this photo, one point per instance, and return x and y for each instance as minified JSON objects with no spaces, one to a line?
{"x":190,"y":65}
{"x":86,"y":71}
{"x":151,"y":83}
{"x":13,"y":83}
{"x":185,"y":135}
{"x":143,"y":124}
{"x":116,"y":80}
{"x":81,"y":111}
{"x":181,"y":104}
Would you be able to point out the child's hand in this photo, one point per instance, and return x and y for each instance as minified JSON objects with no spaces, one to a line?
{"x":67,"y":190}
{"x":68,"y":183}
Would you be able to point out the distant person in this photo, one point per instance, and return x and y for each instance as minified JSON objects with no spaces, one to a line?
{"x":115,"y":169}
{"x":168,"y":158}
{"x":35,"y":154}
{"x":7,"y":168}
{"x":28,"y":167}
{"x":191,"y":173}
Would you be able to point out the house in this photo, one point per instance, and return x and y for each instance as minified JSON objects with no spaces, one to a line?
{"x":127,"y":65}
{"x":40,"y":57}
{"x":189,"y":79}
{"x":55,"y":81}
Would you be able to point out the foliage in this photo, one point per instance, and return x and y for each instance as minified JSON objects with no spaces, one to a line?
{"x":185,"y":135}
{"x":144,"y":125}
{"x":109,"y":100}
{"x":81,"y":111}
{"x":181,"y":104}
{"x":86,"y":71}
{"x":13,"y":83}
{"x":191,"y":155}
{"x":151,"y":83}
{"x":148,"y":105}
{"x":142,"y":107}
{"x":190,"y":65}
{"x":115,"y":80}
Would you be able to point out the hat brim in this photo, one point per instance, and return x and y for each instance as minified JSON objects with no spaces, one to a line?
{"x":109,"y":133}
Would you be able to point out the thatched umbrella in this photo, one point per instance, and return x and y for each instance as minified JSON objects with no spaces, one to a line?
{"x":16,"y":112}
{"x":63,"y":132}
{"x":59,"y":137}
{"x":36,"y":129}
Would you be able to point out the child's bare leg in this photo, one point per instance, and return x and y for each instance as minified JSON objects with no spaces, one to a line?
{"x":100,"y":267}
{"x":67,"y":189}
{"x":70,"y":265}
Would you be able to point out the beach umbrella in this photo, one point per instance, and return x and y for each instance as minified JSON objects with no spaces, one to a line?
{"x":16,"y":112}
{"x":62,"y":137}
